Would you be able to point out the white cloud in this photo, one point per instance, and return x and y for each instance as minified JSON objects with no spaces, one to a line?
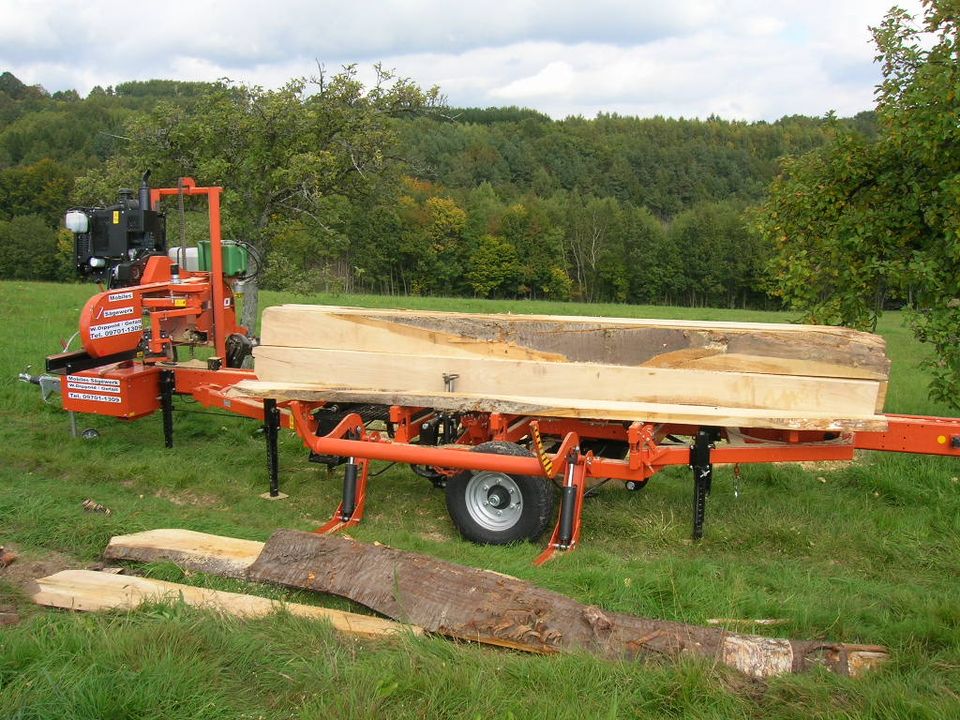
{"x":737,"y":58}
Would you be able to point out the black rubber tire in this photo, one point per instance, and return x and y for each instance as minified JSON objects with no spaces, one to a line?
{"x":537,"y":495}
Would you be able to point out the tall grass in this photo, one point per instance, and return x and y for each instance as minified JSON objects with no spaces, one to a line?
{"x":862,"y":552}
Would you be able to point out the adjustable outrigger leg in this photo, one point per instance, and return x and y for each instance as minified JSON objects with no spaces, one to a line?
{"x":168,"y":383}
{"x":271,"y":431}
{"x":350,"y":511}
{"x":567,"y":531}
{"x":702,"y":476}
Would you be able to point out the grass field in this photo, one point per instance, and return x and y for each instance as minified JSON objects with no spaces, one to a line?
{"x":862,"y":552}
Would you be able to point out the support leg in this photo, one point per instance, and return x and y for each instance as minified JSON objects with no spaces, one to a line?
{"x":566,"y":534}
{"x":702,"y":478}
{"x":168,"y":383}
{"x":350,"y":511}
{"x":271,"y":431}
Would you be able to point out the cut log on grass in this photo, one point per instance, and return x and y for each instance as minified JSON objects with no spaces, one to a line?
{"x":479,"y":605}
{"x":747,"y":374}
{"x":482,"y":606}
{"x":91,"y":591}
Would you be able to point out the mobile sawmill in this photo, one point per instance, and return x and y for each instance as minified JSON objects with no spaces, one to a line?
{"x":493,"y":409}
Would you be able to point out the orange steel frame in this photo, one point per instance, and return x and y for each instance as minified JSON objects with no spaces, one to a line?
{"x":648,"y":451}
{"x":189,"y":187}
{"x":651,"y":447}
{"x":202,"y":298}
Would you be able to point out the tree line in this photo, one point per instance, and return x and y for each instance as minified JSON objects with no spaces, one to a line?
{"x":387,"y":190}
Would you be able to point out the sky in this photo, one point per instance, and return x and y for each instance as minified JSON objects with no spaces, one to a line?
{"x":738,"y":59}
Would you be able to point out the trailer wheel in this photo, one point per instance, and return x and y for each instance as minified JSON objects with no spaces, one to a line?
{"x":494,"y":508}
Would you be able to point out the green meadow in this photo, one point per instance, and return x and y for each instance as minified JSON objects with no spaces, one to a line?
{"x":861,"y":552}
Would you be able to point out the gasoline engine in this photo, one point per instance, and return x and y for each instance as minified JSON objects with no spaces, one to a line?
{"x":112,"y":244}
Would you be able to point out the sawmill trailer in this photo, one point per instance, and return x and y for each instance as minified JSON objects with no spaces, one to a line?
{"x":498,"y":466}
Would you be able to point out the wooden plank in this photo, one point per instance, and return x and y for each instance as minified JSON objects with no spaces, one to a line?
{"x":92,"y":591}
{"x":483,"y":606}
{"x":734,"y":374}
{"x":228,"y":557}
{"x":582,"y":381}
{"x":720,"y":346}
{"x":568,"y":408}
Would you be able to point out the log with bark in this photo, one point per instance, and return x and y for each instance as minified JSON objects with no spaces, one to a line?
{"x":746,"y":374}
{"x":490,"y":608}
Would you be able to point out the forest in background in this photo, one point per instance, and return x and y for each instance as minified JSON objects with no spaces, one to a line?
{"x":498,"y":202}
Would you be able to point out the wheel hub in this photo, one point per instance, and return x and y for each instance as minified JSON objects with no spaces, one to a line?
{"x":493,"y":500}
{"x":498,"y":497}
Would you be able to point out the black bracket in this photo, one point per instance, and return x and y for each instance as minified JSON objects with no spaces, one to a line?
{"x":702,"y":467}
{"x":168,"y":384}
{"x":71,"y":362}
{"x":568,"y":501}
{"x":271,"y":431}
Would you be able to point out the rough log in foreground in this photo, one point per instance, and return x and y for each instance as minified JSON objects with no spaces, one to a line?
{"x":487,"y":607}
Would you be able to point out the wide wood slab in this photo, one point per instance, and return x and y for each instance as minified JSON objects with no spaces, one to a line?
{"x":782,"y":376}
{"x":587,"y":381}
{"x":87,"y":590}
{"x":568,"y":407}
{"x":778,"y":348}
{"x":214,"y":554}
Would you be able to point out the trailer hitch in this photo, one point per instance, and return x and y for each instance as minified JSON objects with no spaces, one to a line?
{"x":49,"y":384}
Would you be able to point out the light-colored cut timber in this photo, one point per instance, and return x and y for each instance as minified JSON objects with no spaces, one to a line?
{"x":733,"y":374}
{"x":582,"y":381}
{"x":225,"y":556}
{"x":725,"y":346}
{"x":92,"y":591}
{"x":569,"y":408}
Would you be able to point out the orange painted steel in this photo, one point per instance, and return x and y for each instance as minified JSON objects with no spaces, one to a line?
{"x":210,"y":388}
{"x":649,"y":459}
{"x":112,"y":322}
{"x":914,"y":434}
{"x":339,"y":521}
{"x":123,"y":390}
{"x":576,"y":477}
{"x":374,"y":446}
{"x":222,"y":300}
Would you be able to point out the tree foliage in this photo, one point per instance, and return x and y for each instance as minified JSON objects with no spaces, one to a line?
{"x":292,"y":161}
{"x":352,"y":188}
{"x":861,"y":222}
{"x":32,"y":250}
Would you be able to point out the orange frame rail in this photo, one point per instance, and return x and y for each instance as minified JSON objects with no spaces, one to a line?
{"x":188,"y":186}
{"x":651,"y":449}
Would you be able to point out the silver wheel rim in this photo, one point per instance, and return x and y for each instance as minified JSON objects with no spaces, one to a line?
{"x":494,"y":500}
